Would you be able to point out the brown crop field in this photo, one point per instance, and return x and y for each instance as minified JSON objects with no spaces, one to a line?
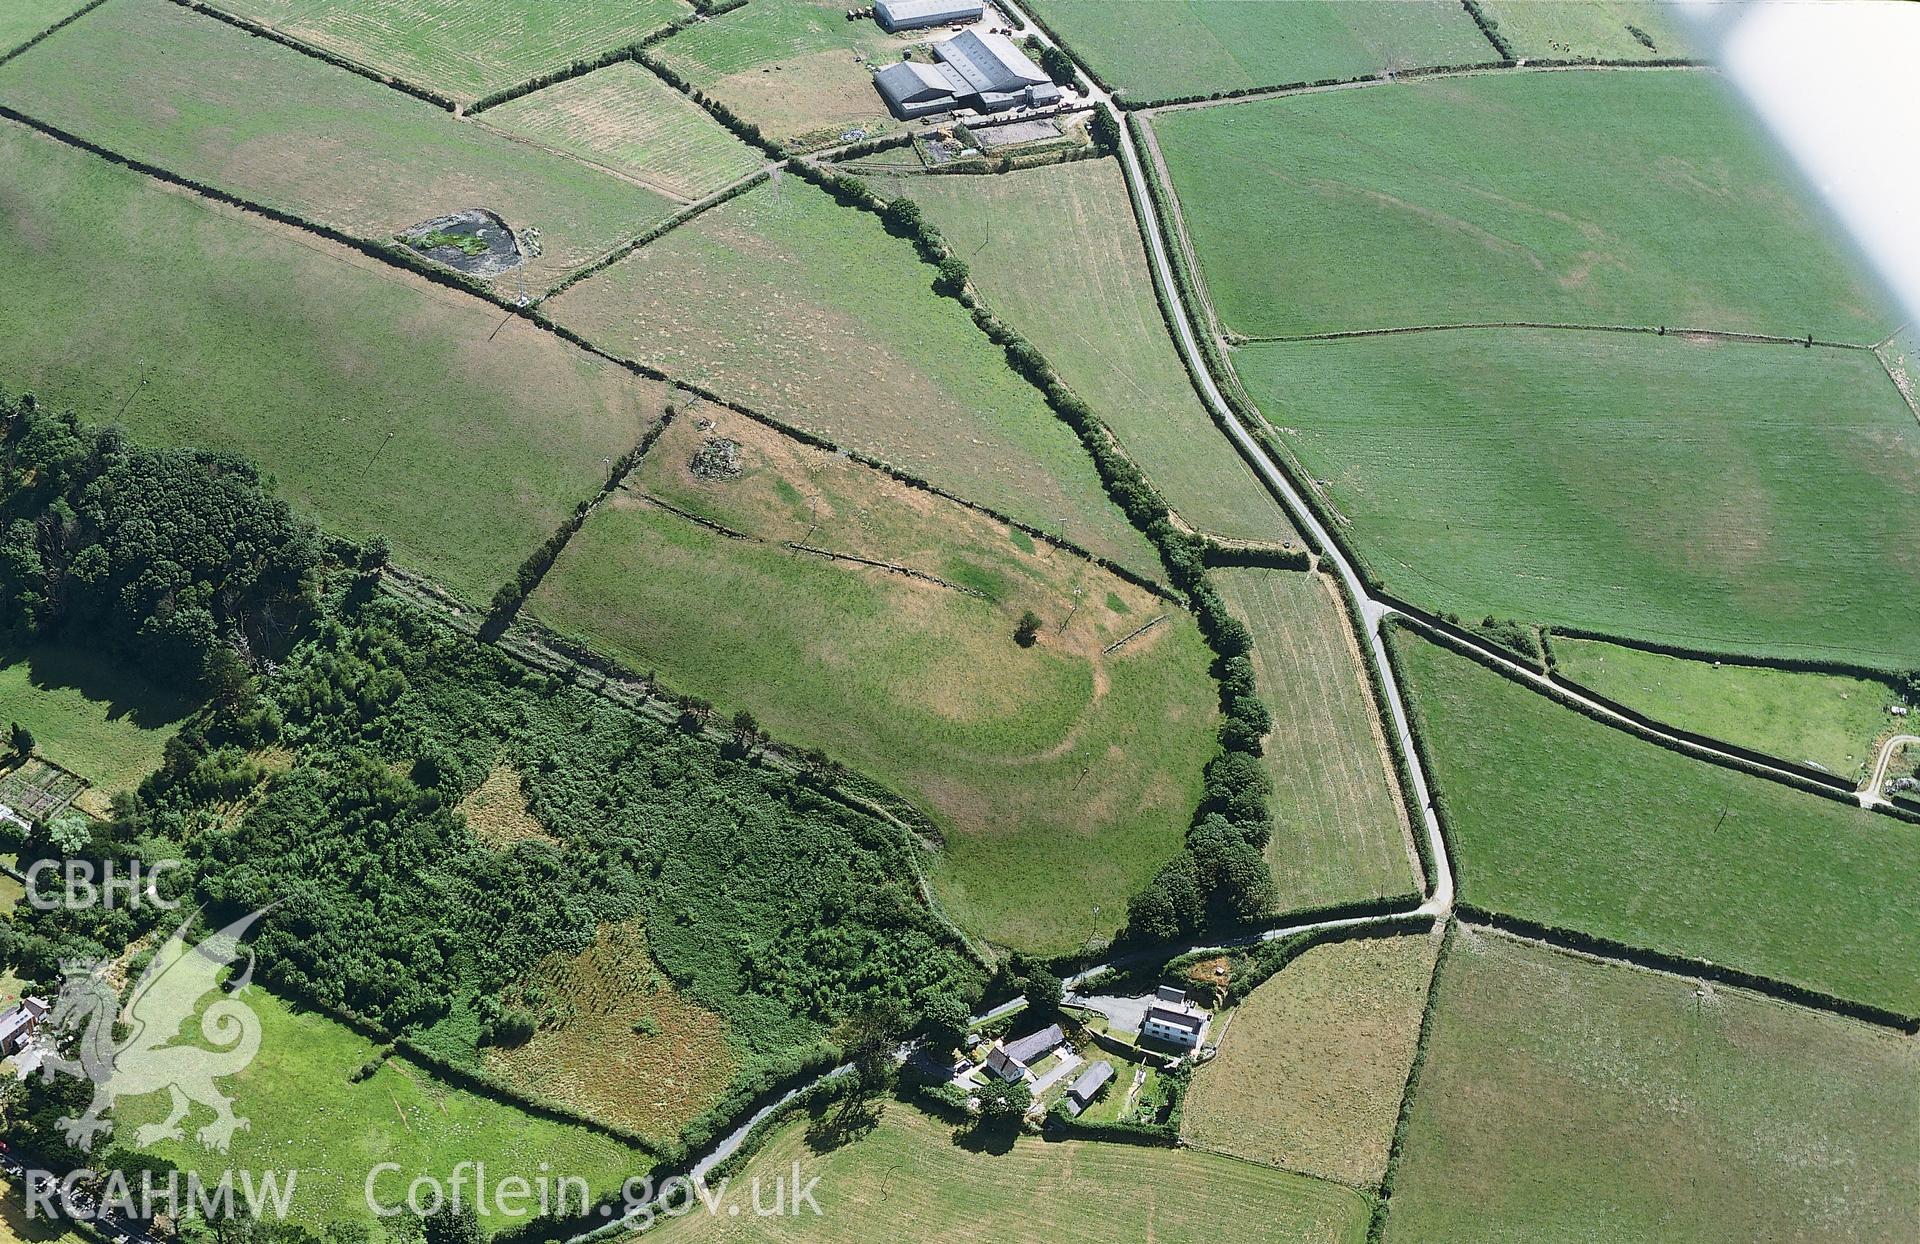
{"x":1311,"y":1068}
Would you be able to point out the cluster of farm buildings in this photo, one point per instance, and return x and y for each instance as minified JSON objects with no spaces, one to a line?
{"x":980,"y":70}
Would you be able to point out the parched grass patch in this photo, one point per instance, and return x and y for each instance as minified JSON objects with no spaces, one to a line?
{"x":464,"y":48}
{"x":628,"y":119}
{"x":1828,"y":720}
{"x":1311,"y":1069}
{"x":1061,"y":775}
{"x":97,"y":718}
{"x":1568,"y":29}
{"x":789,"y":303}
{"x":1564,"y":1098}
{"x":1559,"y":819}
{"x":381,"y":404}
{"x":1340,"y":827}
{"x":1718,"y":496}
{"x":1057,"y":254}
{"x":306,"y":1113}
{"x":910,"y":1170}
{"x":1611,"y":197}
{"x":1174,"y":48}
{"x":796,"y":68}
{"x":195,"y":96}
{"x":617,"y":1041}
{"x":497,"y":811}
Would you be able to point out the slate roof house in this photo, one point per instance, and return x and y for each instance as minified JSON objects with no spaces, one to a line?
{"x":913,"y":14}
{"x":18,"y":1024}
{"x":1082,"y":1091}
{"x":1009,"y":1059}
{"x":984,"y":72}
{"x":1171,"y":1018}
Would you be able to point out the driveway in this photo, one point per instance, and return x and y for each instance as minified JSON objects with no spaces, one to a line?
{"x":1124,"y":1015}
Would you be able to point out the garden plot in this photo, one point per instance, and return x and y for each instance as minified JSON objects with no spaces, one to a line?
{"x":279,"y":127}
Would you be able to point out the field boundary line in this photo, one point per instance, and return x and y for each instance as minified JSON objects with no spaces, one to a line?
{"x":260,"y":30}
{"x":1396,"y":1147}
{"x":1422,"y":74}
{"x":1664,"y":330}
{"x":52,"y":30}
{"x":1610,"y":950}
{"x":711,"y":525}
{"x":678,"y":197}
{"x":1490,"y":29}
{"x":1136,"y":632}
{"x":687,"y":212}
{"x":1901,"y":380}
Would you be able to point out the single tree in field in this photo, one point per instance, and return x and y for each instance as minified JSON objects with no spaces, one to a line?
{"x":1027,"y":629}
{"x":20,"y":740}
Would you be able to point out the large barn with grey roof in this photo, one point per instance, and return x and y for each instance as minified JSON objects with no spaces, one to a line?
{"x":984,"y":72}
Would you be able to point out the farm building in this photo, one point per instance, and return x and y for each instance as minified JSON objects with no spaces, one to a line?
{"x":1174,"y":1020}
{"x":913,"y":14}
{"x":1087,"y":1086}
{"x":985,"y":72}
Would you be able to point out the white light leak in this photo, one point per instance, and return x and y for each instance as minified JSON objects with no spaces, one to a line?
{"x":1838,"y":84}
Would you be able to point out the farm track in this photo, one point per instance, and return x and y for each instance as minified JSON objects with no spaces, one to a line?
{"x":1870,"y":795}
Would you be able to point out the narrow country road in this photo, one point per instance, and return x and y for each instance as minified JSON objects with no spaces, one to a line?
{"x":1870,"y":793}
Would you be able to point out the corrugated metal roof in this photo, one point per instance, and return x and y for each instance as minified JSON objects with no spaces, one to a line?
{"x":927,"y":12}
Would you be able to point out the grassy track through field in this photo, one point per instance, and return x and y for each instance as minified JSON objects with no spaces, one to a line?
{"x":1057,"y":254}
{"x":1061,"y":775}
{"x":793,"y":305}
{"x":1310,"y":1073}
{"x":1339,"y":832}
{"x":194,"y":325}
{"x":463,"y":48}
{"x":1173,"y":48}
{"x":1716,"y":495}
{"x":1578,"y":197}
{"x":910,"y":1170}
{"x":1562,"y":820}
{"x":627,"y":118}
{"x":279,"y":127}
{"x":1564,"y":1098}
{"x":1830,"y":720}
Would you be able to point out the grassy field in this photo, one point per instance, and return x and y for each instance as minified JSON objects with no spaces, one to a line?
{"x":21,"y":20}
{"x":1557,"y":818}
{"x":1061,"y":775}
{"x":1057,"y":254}
{"x":306,"y":1115}
{"x":1583,"y":197}
{"x":787,"y":302}
{"x":1829,"y":720}
{"x":196,"y":326}
{"x":909,"y":1170}
{"x":628,"y":119}
{"x":1310,"y":1073}
{"x":1721,"y":496}
{"x":1565,"y":29}
{"x":282,"y":128}
{"x":1339,"y":826}
{"x":464,"y":48}
{"x":796,"y":68}
{"x":622,"y":1044}
{"x":1567,"y":1099}
{"x":1173,"y":48}
{"x":100,"y":720}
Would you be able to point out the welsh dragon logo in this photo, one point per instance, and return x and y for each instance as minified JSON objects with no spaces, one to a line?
{"x":157,"y":1053}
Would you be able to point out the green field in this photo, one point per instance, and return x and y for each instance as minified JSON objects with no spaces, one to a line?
{"x":1061,"y":776}
{"x":17,"y":1228}
{"x":796,"y":68}
{"x":1568,"y":1099}
{"x":1311,"y":1070}
{"x":1556,"y":818}
{"x":191,"y":325}
{"x":305,"y":1114}
{"x":1720,"y":496}
{"x":629,"y":120}
{"x":1057,"y":254}
{"x":1829,"y":720}
{"x":1566,"y":29}
{"x":277,"y":126}
{"x":1166,"y":49}
{"x":21,"y":20}
{"x":1339,"y":830}
{"x":101,"y":721}
{"x":908,"y":1173}
{"x":464,"y":48}
{"x":792,"y":304}
{"x":1611,"y":197}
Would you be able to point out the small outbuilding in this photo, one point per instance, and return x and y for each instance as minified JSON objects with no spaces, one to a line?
{"x":915,"y":14}
{"x":1087,"y":1086}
